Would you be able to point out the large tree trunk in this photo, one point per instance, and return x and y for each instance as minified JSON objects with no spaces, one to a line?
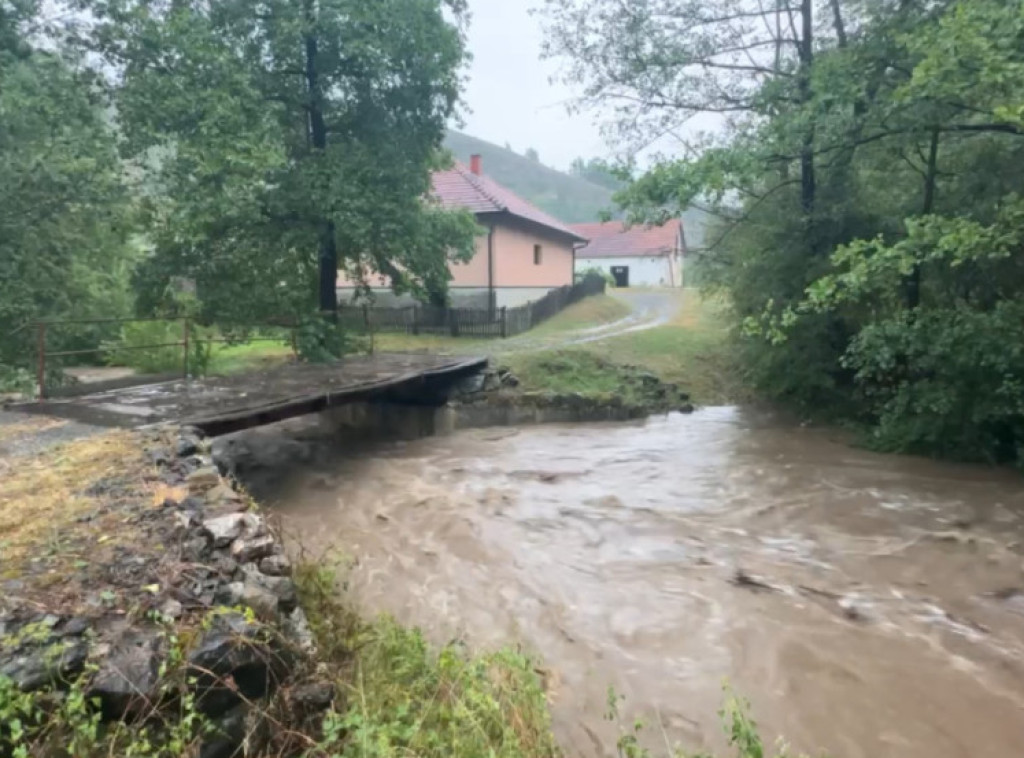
{"x":808,"y":182}
{"x":328,"y":297}
{"x":913,"y":282}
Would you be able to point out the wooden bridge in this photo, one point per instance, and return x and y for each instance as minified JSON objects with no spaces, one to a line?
{"x":224,"y":404}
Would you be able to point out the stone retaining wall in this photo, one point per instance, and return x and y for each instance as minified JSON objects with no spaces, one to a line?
{"x":224,"y":614}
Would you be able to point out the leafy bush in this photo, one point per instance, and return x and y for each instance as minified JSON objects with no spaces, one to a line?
{"x":15,"y":379}
{"x":156,"y":347}
{"x":947,"y":376}
{"x":320,"y":341}
{"x":579,"y":276}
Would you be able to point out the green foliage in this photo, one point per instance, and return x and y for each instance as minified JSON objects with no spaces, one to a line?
{"x":406,"y":700}
{"x":865,"y":188}
{"x":319,"y":340}
{"x":948,"y":376}
{"x":157,"y":347}
{"x":65,"y":215}
{"x":740,"y":729}
{"x":278,"y":136}
{"x":600,"y":273}
{"x":402,"y":698}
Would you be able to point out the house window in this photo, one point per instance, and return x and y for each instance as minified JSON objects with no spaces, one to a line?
{"x":538,"y":255}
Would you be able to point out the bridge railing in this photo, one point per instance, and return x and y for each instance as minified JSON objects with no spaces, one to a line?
{"x":190,"y":336}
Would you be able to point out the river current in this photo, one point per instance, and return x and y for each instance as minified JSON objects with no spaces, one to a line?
{"x":867,"y":605}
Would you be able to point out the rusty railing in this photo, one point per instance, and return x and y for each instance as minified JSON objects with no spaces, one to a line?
{"x":43,"y":328}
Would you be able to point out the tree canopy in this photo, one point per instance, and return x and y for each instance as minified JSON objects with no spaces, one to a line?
{"x":65,"y":213}
{"x":864,"y":179}
{"x":286,"y":139}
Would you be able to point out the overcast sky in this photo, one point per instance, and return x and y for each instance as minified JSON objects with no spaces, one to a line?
{"x":509,"y":96}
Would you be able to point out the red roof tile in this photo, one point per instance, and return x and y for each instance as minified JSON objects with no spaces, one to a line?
{"x":458,"y":187}
{"x":612,"y":239}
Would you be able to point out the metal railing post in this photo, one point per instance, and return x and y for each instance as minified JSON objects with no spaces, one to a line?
{"x":41,"y":351}
{"x":184,"y":342}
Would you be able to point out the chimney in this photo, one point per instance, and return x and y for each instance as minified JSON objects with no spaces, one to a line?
{"x":476,"y":164}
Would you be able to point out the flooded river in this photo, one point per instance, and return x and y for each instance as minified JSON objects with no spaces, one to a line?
{"x":867,"y":605}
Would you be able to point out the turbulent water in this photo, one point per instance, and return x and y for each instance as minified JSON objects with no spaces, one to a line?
{"x":867,"y":605}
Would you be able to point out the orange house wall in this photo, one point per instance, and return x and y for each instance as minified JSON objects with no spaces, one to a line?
{"x":513,"y":262}
{"x":513,"y":259}
{"x":473,"y":273}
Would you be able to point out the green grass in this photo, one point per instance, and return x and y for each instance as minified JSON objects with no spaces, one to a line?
{"x":694,"y":351}
{"x":233,"y":359}
{"x":400,"y":698}
{"x":588,"y":313}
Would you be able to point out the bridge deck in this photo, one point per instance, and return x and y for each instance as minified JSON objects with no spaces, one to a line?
{"x":223,"y":404}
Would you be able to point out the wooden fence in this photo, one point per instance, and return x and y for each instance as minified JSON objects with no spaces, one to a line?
{"x":468,"y":322}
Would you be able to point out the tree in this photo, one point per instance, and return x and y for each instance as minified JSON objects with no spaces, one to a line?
{"x":289,"y":138}
{"x":596,"y":171}
{"x":65,"y":214}
{"x":532,"y":154}
{"x":849,"y":132}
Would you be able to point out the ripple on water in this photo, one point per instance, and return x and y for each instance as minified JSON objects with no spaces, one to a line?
{"x":891,"y":623}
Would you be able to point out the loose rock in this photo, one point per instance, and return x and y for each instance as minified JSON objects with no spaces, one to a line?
{"x":275,"y":565}
{"x":245,"y":551}
{"x":226,"y":529}
{"x":128,"y":676}
{"x":202,"y":479}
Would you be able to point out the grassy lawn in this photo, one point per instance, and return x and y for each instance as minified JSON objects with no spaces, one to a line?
{"x":588,"y":313}
{"x":693,"y":351}
{"x":232,"y":359}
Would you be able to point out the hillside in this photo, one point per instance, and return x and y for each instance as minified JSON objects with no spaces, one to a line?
{"x":565,"y":197}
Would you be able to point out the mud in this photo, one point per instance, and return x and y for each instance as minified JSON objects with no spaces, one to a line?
{"x":867,"y":605}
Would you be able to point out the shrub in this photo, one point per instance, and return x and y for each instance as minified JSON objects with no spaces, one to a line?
{"x":156,"y":347}
{"x":579,"y":276}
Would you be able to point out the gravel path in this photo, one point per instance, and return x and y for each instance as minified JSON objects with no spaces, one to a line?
{"x":27,"y":433}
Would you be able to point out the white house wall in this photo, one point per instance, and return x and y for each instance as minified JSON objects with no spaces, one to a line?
{"x":643,"y":272}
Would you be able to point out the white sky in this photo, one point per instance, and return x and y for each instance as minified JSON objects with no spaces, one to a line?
{"x":509,"y":96}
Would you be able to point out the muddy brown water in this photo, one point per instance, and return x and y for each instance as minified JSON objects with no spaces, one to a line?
{"x":867,"y":605}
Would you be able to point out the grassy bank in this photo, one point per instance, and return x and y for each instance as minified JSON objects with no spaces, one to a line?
{"x":693,"y":350}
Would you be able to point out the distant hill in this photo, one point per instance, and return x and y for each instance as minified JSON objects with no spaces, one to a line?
{"x":565,"y":197}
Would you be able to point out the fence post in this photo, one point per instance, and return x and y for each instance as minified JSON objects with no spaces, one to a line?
{"x":453,"y":322}
{"x":41,"y":350}
{"x":184,"y":342}
{"x":504,"y":321}
{"x":416,"y":319}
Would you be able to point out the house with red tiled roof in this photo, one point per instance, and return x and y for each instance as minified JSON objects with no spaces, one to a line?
{"x":522,"y":255}
{"x":634,"y":255}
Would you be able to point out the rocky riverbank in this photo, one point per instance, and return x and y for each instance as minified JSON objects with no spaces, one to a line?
{"x":558,"y":390}
{"x":167,"y":586}
{"x":147,"y":608}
